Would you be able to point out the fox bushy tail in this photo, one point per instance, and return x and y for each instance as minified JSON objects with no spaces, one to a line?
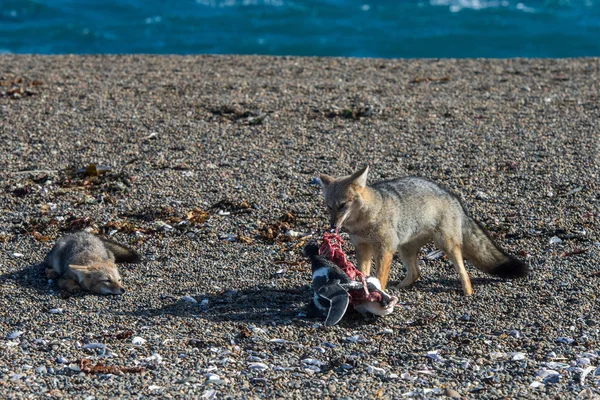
{"x":123,"y":254}
{"x":484,"y":254}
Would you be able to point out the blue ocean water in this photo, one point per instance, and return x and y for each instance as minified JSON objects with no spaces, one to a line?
{"x":357,"y":28}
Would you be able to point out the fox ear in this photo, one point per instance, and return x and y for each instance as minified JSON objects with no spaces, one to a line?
{"x":325,"y":180}
{"x":360,"y":176}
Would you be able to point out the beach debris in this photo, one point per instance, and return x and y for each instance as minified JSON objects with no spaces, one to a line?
{"x":93,"y":170}
{"x":573,"y":253}
{"x":386,"y":331}
{"x":154,"y":387}
{"x":518,"y":356}
{"x":86,"y":366}
{"x":196,"y":216}
{"x":279,"y":341}
{"x":514,"y":333}
{"x":17,"y":255}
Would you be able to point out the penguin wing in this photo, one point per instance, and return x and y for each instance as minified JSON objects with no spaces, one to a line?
{"x":338,"y":302}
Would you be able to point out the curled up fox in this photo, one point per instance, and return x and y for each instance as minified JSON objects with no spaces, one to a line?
{"x":402,"y":215}
{"x":82,"y":261}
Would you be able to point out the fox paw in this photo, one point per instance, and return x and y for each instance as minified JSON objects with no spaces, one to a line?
{"x":51,"y":273}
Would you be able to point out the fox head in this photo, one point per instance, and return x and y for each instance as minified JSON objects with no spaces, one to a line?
{"x":344,"y":197}
{"x":99,"y":277}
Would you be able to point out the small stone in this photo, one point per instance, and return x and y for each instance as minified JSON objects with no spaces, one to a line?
{"x":451,"y":393}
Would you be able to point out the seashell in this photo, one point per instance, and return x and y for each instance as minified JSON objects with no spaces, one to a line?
{"x":138,"y":341}
{"x":209,"y":394}
{"x":312,"y":368}
{"x":434,"y":255}
{"x":92,"y":346}
{"x":188,"y":299}
{"x":14,"y":334}
{"x":212,"y":377}
{"x":557,"y":365}
{"x":17,"y":255}
{"x":565,"y":340}
{"x":156,"y":358}
{"x":585,"y":373}
{"x":544,"y":373}
{"x":312,"y":361}
{"x":435,"y":356}
{"x":375,"y":370}
{"x":584,"y":361}
{"x":353,"y":339}
{"x":258,"y":366}
{"x":555,"y":240}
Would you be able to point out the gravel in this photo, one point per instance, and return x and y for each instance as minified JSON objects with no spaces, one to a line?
{"x":209,"y":162}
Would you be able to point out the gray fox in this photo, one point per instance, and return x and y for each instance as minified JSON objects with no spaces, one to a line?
{"x":83,"y":261}
{"x":402,"y":215}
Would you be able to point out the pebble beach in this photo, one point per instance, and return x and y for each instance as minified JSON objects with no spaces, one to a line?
{"x":207,"y":166}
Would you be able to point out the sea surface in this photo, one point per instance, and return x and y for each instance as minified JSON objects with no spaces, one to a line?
{"x":351,"y":28}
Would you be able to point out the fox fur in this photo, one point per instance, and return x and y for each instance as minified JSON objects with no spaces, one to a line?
{"x":82,"y":261}
{"x":402,"y":215}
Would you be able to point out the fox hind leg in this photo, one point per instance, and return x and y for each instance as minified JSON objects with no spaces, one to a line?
{"x":408,"y":255}
{"x":453,"y":251}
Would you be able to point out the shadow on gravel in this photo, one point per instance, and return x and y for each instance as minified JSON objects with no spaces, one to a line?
{"x":260,"y":306}
{"x":443,"y":285}
{"x":256,"y":306}
{"x":31,"y":277}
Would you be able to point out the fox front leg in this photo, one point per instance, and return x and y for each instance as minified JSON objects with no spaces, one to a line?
{"x":364,"y":254}
{"x":69,"y":285}
{"x":383,"y":263}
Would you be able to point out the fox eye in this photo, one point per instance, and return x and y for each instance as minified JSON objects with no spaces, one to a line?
{"x":342,"y":205}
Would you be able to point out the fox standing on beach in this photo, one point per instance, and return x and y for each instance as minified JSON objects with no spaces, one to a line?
{"x":84,"y":261}
{"x":404,"y":214}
